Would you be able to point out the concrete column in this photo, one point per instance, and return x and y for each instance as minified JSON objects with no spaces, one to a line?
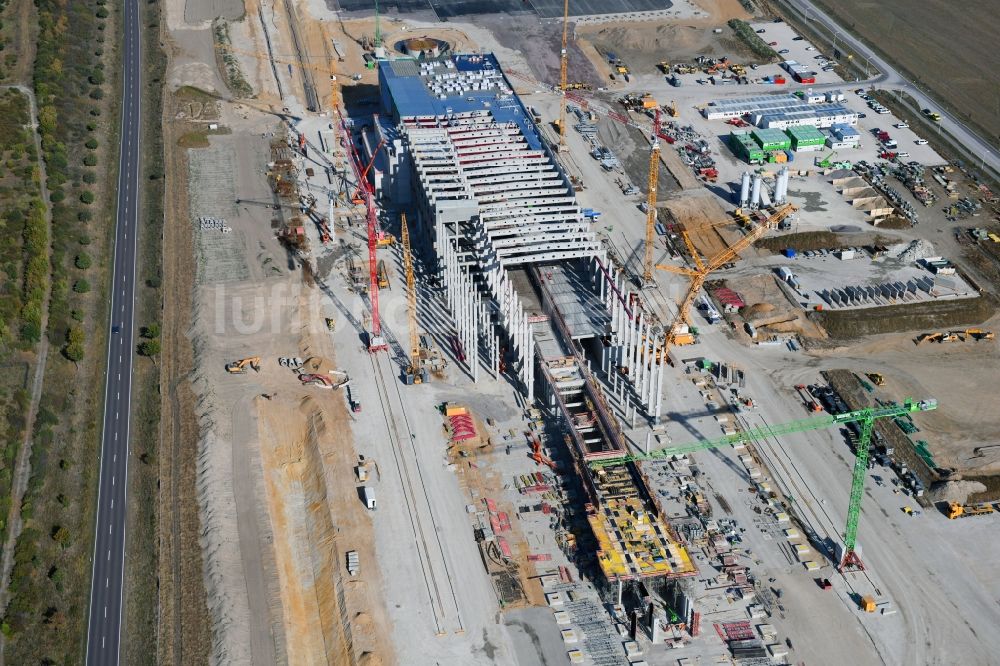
{"x":659,"y":387}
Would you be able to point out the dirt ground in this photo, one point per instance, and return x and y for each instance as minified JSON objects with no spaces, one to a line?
{"x":710,"y":228}
{"x":948,"y":49}
{"x":259,"y":506}
{"x":641,"y":46}
{"x":769,"y":309}
{"x":955,"y":374}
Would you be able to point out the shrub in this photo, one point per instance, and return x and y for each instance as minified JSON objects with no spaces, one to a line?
{"x":82,"y":261}
{"x":81,"y":286}
{"x":92,"y":144}
{"x":149,"y":347}
{"x":87,"y":197}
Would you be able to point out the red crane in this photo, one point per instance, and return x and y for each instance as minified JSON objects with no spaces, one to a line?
{"x":376,"y":342}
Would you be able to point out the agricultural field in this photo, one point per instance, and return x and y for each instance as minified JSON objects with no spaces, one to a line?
{"x":951,"y":52}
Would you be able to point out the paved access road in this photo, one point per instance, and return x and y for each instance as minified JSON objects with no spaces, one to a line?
{"x":105,"y":622}
{"x":978,"y":152}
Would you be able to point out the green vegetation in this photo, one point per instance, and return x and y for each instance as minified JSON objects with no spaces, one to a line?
{"x":141,"y":599}
{"x":752,"y":39}
{"x":23,"y":261}
{"x":46,"y":617}
{"x":235,"y":80}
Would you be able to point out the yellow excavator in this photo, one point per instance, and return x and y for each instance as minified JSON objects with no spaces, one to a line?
{"x":240,"y":367}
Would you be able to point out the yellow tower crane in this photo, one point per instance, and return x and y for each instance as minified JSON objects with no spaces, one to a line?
{"x":654,"y":181}
{"x":415,"y":373}
{"x":703,"y":270}
{"x":563,"y":65}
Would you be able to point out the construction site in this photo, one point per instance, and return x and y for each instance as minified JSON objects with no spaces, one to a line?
{"x":511,"y":346}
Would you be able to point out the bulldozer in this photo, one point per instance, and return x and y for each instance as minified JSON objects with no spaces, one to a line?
{"x":240,"y":367}
{"x":877,"y":379}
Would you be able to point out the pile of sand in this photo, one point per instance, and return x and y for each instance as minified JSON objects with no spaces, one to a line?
{"x":661,"y":38}
{"x":758,"y":310}
{"x":954,"y":491}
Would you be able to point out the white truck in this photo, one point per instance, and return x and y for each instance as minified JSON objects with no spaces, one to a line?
{"x":368,"y":494}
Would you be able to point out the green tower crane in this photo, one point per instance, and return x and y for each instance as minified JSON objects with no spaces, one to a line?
{"x":865,"y":418}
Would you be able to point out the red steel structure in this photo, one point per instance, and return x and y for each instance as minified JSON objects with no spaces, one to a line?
{"x":376,"y":342}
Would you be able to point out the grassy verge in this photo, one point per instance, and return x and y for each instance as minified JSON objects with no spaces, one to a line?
{"x":140,"y":592}
{"x":750,"y":37}
{"x":49,"y":590}
{"x":235,"y":80}
{"x":24,"y":267}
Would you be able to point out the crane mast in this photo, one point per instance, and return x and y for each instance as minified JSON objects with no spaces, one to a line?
{"x":654,"y":180}
{"x":376,"y":342}
{"x":414,"y":373}
{"x":563,"y":66}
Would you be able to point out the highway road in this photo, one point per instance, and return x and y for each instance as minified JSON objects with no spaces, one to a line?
{"x":104,"y":635}
{"x":976,"y":150}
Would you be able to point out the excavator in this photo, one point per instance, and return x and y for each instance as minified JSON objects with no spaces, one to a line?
{"x":978,"y":334}
{"x":240,"y":367}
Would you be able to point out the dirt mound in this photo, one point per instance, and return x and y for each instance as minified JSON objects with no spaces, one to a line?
{"x":659,"y":38}
{"x":954,"y":491}
{"x":758,"y":310}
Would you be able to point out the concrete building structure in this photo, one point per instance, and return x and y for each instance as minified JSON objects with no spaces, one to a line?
{"x":513,"y":248}
{"x":529,"y":287}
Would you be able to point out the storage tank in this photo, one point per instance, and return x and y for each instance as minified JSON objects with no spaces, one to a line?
{"x":755,"y":197}
{"x":745,"y":189}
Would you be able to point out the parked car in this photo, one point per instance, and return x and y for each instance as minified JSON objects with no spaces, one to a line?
{"x":773,"y":44}
{"x":902,"y":126}
{"x":921,"y":142}
{"x":797,"y":38}
{"x":761,"y":31}
{"x":782,"y":51}
{"x":809,"y":48}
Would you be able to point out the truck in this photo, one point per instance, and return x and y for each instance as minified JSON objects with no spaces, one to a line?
{"x":368,"y":494}
{"x":956,"y":510}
